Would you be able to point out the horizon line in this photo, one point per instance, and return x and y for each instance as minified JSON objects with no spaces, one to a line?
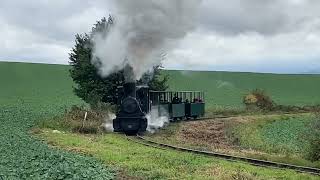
{"x":170,"y":69}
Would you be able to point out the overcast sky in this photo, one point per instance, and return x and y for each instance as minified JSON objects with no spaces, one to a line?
{"x":281,"y":36}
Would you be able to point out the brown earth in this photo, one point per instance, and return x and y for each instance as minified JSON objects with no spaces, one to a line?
{"x":210,"y":132}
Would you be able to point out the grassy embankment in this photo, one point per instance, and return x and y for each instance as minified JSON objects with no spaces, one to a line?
{"x":138,"y":161}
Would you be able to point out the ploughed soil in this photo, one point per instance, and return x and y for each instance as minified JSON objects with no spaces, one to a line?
{"x":211,"y":132}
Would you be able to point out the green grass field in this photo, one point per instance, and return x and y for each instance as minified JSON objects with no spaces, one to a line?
{"x":221,"y":88}
{"x":227,"y":88}
{"x":33,"y":92}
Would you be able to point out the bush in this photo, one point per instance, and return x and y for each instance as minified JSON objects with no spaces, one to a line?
{"x":78,"y":123}
{"x":258,"y":99}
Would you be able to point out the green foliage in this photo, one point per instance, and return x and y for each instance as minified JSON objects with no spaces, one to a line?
{"x":30,"y":93}
{"x":155,"y":80}
{"x":90,"y":86}
{"x":286,"y":134}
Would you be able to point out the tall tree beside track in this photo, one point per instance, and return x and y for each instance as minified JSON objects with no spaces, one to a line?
{"x":90,"y":86}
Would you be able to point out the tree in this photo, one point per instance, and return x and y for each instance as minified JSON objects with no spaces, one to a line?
{"x":155,"y":80}
{"x":90,"y":86}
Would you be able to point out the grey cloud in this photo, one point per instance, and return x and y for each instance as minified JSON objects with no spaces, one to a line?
{"x":46,"y":18}
{"x":250,"y":30}
{"x":267,"y":17}
{"x":31,"y":28}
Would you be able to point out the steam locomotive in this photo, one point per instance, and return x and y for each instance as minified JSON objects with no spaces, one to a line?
{"x":135,"y":102}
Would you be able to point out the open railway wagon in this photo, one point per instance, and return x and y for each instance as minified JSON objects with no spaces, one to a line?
{"x":178,"y":104}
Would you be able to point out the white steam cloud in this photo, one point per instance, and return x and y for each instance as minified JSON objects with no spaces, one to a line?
{"x":142,"y":32}
{"x":156,"y":120}
{"x":108,"y":123}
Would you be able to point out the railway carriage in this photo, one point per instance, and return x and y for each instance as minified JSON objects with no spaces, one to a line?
{"x":178,"y":104}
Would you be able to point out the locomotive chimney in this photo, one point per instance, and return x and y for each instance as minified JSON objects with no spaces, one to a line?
{"x":130,"y":89}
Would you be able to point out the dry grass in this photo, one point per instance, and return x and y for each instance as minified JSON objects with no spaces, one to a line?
{"x":74,"y":120}
{"x":211,"y":133}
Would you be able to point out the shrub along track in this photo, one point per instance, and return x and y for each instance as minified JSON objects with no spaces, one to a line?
{"x":141,"y":140}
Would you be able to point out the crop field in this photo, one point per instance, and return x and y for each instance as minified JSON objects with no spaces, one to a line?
{"x":287,"y":131}
{"x":29,"y":93}
{"x":34,"y":92}
{"x":286,"y":135}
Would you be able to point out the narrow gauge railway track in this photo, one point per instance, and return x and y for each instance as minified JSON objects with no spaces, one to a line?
{"x":262,"y":163}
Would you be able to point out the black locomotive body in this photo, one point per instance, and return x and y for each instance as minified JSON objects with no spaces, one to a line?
{"x":132,"y":108}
